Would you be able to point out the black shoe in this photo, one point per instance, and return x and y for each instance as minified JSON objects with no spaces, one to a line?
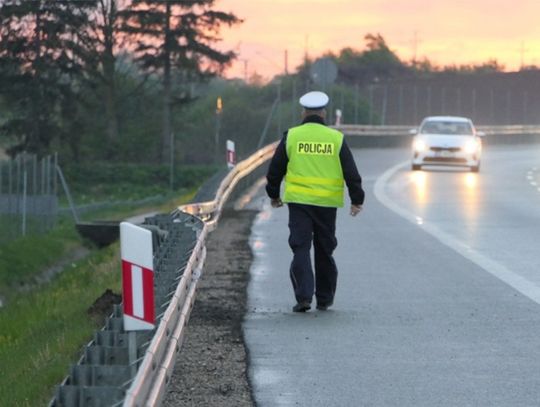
{"x":302,"y":306}
{"x":324,"y":306}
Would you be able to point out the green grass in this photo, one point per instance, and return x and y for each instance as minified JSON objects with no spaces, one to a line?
{"x":119,"y":212}
{"x":11,"y":226}
{"x":42,"y":332}
{"x":23,"y":258}
{"x":109,"y":182}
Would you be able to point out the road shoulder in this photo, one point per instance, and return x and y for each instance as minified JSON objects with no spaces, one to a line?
{"x":212,"y":364}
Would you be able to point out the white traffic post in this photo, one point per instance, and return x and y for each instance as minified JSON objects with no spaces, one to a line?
{"x":338,"y":117}
{"x":231,"y":154}
{"x":137,"y":277}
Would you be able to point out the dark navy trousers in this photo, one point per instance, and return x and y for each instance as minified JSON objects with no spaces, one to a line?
{"x":307,"y":224}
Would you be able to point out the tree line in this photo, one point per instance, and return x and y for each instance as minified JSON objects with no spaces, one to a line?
{"x":376,"y":62}
{"x":72,"y":69}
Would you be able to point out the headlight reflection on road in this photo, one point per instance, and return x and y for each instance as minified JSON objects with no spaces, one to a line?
{"x":471,"y":180}
{"x":428,"y":189}
{"x":420,"y":182}
{"x":470,"y":200}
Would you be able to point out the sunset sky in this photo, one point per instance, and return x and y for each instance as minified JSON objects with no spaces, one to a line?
{"x":446,"y":31}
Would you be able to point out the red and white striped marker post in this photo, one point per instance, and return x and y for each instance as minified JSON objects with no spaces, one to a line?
{"x":231,"y":154}
{"x":137,"y":277}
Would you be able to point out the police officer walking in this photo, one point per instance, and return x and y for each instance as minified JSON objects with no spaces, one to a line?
{"x":316,"y":163}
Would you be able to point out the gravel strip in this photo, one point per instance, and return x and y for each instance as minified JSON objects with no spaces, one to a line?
{"x":211,"y":369}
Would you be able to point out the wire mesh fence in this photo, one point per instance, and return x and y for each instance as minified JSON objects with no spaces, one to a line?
{"x":28,"y":196}
{"x":401,"y":104}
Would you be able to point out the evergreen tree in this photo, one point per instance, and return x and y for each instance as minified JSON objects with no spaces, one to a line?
{"x":176,"y":37}
{"x":102,"y":43}
{"x":39,"y":62}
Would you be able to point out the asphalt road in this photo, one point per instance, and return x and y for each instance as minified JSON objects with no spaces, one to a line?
{"x":438,"y":294}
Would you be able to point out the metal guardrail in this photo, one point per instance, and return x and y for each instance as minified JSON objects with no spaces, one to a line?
{"x":133,"y":368}
{"x":211,"y":210}
{"x":107,"y":373}
{"x":371,"y":130}
{"x":509,"y":130}
{"x":149,"y":385}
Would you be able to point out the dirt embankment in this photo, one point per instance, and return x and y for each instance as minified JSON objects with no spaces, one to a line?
{"x":211,"y":369}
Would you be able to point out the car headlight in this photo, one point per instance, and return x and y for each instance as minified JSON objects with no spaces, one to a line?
{"x":419,"y":146}
{"x":471,"y":147}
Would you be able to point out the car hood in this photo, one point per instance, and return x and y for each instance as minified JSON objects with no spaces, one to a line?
{"x":441,"y":140}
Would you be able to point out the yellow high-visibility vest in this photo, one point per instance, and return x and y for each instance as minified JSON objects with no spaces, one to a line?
{"x":314,"y":174}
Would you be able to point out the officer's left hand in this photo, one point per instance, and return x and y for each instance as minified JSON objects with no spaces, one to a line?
{"x":355,"y":209}
{"x":276,"y":203}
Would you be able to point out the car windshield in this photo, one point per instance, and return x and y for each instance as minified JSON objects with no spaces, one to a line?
{"x":446,"y":127}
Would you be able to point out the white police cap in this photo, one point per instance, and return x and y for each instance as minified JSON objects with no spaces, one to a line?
{"x":314,"y":100}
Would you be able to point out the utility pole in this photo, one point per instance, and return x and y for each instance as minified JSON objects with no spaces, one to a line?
{"x":306,"y":60}
{"x":370,"y":104}
{"x":286,"y":62}
{"x":356,"y":91}
{"x":400,"y":105}
{"x":294,"y":117}
{"x":522,"y":52}
{"x":415,"y":43}
{"x":279,"y":107}
{"x":219,"y":111}
{"x":384,"y":105}
{"x":429,"y":108}
{"x":171,"y":163}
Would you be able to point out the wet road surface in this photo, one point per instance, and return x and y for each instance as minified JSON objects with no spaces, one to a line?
{"x":438,"y":293}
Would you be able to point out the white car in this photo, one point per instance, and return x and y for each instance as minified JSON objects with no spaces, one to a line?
{"x":448,"y":141}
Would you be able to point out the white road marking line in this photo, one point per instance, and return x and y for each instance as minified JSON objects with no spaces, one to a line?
{"x":530,"y":177}
{"x":499,"y":271}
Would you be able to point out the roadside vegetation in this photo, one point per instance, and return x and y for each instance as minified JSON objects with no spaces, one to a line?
{"x":123,"y":182}
{"x":44,"y":325}
{"x":44,"y":329}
